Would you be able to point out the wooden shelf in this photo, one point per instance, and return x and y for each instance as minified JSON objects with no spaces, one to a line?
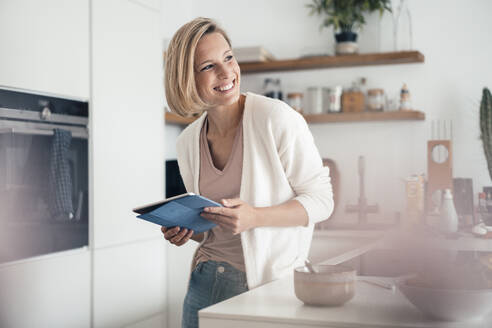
{"x":385,"y":58}
{"x":407,"y":115}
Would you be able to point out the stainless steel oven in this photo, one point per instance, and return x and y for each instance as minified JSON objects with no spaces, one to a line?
{"x":43,"y":174}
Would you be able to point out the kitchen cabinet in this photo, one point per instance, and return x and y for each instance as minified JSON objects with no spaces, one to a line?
{"x":388,"y":58}
{"x":129,"y":284}
{"x":127,"y":125}
{"x":45,"y":46}
{"x":128,"y":164}
{"x":48,"y":291}
{"x":107,"y":52}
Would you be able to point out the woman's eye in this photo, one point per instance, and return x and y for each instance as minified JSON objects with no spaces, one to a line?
{"x":206,"y":68}
{"x":228,"y":57}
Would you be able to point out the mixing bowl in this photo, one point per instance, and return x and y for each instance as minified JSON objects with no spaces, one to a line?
{"x":448,"y":304}
{"x":331,"y":285}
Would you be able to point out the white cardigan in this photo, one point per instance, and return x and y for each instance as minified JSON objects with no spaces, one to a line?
{"x":280,"y":162}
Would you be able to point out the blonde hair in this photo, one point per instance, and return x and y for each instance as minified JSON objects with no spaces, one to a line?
{"x":181,"y":92}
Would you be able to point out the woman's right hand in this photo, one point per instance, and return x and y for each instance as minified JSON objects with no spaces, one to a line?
{"x":176,"y":235}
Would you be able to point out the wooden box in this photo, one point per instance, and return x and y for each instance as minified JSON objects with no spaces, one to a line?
{"x":352,"y":102}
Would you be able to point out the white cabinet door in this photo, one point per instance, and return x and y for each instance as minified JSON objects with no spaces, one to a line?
{"x":127,"y":120}
{"x":45,"y":46}
{"x":47,"y":291}
{"x":129,"y":284}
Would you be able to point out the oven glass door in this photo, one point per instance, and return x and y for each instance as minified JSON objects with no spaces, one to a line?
{"x":29,"y":225}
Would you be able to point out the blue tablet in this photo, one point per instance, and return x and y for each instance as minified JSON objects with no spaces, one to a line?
{"x":182,"y":210}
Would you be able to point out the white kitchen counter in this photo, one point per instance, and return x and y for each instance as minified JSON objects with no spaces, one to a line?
{"x":275,"y":305}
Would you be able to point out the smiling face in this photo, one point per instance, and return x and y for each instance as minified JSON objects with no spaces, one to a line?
{"x":217,"y":73}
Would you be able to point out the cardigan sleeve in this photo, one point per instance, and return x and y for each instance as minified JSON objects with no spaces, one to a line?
{"x":303,"y":165}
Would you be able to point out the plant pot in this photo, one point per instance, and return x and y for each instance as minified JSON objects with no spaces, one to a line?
{"x":346,"y":37}
{"x":346,"y":43}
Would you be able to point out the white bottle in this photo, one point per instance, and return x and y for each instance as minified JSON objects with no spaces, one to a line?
{"x":449,"y":217}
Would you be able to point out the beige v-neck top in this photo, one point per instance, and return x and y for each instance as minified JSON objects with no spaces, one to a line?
{"x":215,"y":184}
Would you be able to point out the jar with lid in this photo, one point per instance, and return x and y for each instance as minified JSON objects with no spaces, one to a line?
{"x":332,"y":99}
{"x":294,"y":99}
{"x":375,"y":100}
{"x":314,"y":100}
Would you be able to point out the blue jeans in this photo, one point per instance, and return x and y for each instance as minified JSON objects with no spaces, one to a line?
{"x":211,"y":282}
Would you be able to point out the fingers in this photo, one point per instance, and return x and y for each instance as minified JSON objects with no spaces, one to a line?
{"x":224,"y":211}
{"x":185,"y":238}
{"x":177,"y":238}
{"x":224,"y":221}
{"x":170,"y":232}
{"x":176,"y":235}
{"x":231,"y":202}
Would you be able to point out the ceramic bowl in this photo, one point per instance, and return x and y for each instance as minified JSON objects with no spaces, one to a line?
{"x":332,"y":285}
{"x":448,"y":304}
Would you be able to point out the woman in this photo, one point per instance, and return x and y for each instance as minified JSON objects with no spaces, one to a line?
{"x":253,"y":154}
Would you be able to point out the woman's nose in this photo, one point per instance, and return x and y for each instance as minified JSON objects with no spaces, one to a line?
{"x":224,"y":71}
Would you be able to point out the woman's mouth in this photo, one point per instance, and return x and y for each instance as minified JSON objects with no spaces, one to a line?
{"x":226,"y":87}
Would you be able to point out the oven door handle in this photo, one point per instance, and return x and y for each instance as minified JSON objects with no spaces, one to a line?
{"x":77,"y":132}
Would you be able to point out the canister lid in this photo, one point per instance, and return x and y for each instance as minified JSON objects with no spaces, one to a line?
{"x":295,"y":95}
{"x":374,"y":92}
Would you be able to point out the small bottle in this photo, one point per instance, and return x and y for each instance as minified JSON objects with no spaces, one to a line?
{"x":449,"y":217}
{"x":405,"y":103}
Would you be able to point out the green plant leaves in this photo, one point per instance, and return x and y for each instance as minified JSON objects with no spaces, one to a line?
{"x":486,"y":126}
{"x":345,"y":15}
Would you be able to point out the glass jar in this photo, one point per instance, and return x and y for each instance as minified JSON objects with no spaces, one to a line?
{"x":332,"y":101}
{"x":294,"y":99}
{"x":375,"y":100}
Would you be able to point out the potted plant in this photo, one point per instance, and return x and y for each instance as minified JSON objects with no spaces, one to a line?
{"x":486,"y":126}
{"x":346,"y":17}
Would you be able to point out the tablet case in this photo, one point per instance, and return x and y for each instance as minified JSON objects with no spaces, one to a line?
{"x":183,"y":212}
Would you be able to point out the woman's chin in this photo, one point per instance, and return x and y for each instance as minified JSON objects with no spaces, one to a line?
{"x":226,"y":100}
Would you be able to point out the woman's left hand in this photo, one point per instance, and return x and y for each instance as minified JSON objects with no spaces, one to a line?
{"x":236,"y":216}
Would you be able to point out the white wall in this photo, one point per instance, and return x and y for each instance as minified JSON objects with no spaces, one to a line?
{"x":451,"y":34}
